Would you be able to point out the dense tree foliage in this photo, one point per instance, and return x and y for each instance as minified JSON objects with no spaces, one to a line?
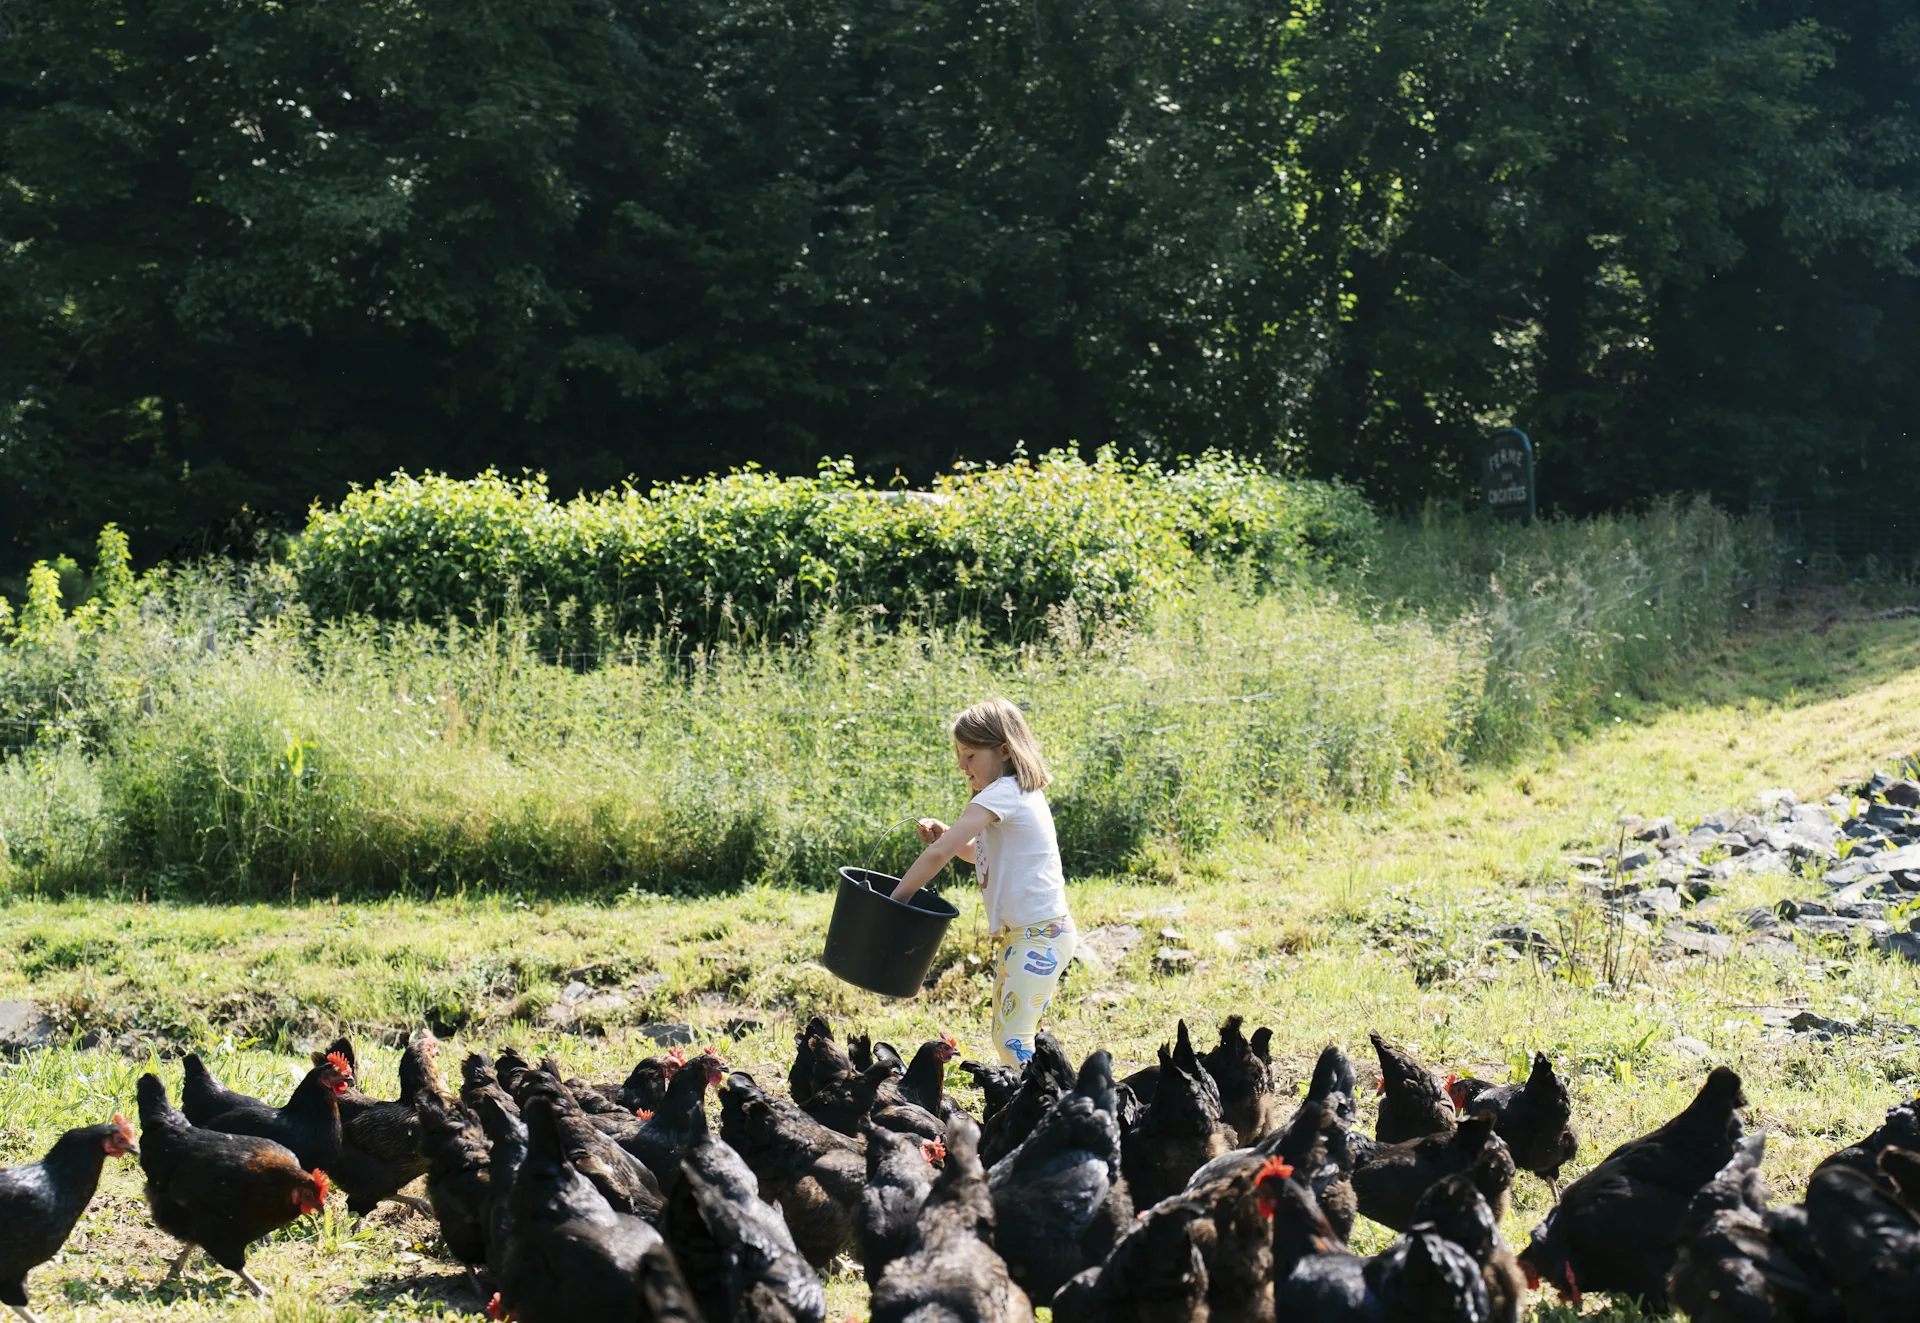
{"x":252,"y":251}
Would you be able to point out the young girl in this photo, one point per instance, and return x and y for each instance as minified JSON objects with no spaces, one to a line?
{"x":1006,"y":833}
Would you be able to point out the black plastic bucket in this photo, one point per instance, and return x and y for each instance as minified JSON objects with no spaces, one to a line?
{"x":881,"y":944}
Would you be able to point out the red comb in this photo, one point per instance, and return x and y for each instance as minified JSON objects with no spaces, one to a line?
{"x":933,"y":1151}
{"x":339,"y":1063}
{"x":1274,"y":1169}
{"x":320,"y":1186}
{"x":1452,"y":1079}
{"x":676,"y":1057}
{"x":643,"y":1113}
{"x":126,"y":1130}
{"x":949,"y":1039}
{"x":494,"y":1310}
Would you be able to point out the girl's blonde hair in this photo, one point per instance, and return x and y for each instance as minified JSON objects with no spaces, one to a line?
{"x":997,"y":722}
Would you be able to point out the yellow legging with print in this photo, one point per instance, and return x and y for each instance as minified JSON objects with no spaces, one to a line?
{"x":1031,"y":960}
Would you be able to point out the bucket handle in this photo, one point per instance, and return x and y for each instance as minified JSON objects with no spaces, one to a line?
{"x":874,"y":849}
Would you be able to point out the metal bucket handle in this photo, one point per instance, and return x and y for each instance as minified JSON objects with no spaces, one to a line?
{"x":874,"y":849}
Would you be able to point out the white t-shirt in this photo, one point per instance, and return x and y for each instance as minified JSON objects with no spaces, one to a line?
{"x":1020,"y":857}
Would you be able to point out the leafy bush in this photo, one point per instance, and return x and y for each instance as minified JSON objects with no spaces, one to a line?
{"x":202,"y":735}
{"x":764,"y":556}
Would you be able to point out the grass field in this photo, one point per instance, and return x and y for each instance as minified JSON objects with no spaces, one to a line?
{"x":1370,"y":918}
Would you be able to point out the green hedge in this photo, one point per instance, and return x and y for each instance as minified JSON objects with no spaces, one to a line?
{"x":749,"y":555}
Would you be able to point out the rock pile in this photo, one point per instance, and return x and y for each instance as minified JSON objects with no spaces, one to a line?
{"x":1862,"y":845}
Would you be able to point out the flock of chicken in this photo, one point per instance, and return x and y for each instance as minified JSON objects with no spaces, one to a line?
{"x":1179,"y":1194}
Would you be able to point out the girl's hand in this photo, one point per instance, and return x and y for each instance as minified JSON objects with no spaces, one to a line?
{"x":931,"y":830}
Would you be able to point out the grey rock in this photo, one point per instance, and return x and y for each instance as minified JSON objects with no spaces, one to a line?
{"x":1764,"y":861}
{"x":1691,"y":1047}
{"x":1906,"y":794}
{"x":1702,"y":838}
{"x":574,"y":993}
{"x":1826,"y":925}
{"x":1803,"y":851}
{"x":1173,"y":960}
{"x":1853,"y":893}
{"x":1821,"y":1026}
{"x":1587,"y":862}
{"x":1778,"y":801}
{"x":1718,"y":821}
{"x":1733,"y":843}
{"x":1660,"y":900}
{"x":1889,"y":818}
{"x":1904,"y":945}
{"x":24,"y":1025}
{"x":1758,"y":918}
{"x":1904,"y":858}
{"x":1522,"y":938}
{"x":1107,"y":945}
{"x":668,"y":1035}
{"x":1634,"y":860}
{"x":1660,"y":829}
{"x":1684,"y":940}
{"x":1750,"y":827}
{"x":1812,"y":822}
{"x":1850,"y":870}
{"x":1862,"y":909}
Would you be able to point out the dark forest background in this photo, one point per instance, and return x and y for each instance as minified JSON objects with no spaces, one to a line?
{"x":251,"y":252}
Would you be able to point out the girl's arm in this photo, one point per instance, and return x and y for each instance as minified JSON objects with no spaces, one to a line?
{"x":932,"y":829}
{"x":949,"y":843}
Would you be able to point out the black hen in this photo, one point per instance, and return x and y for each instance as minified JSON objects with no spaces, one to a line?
{"x":952,"y":1274}
{"x":507,"y":1150}
{"x":1867,"y":1239}
{"x":203,"y":1097}
{"x":1534,"y":1118}
{"x":569,"y":1256}
{"x":40,"y":1201}
{"x":1743,"y":1262}
{"x":1388,"y":1179}
{"x":681,"y":1120}
{"x":816,"y":1175}
{"x":733,"y":1246}
{"x":1902,"y":1128}
{"x":844,"y":1103}
{"x":817,"y":1060}
{"x":925,"y":1081}
{"x":1156,"y":1274}
{"x":218,"y":1191}
{"x":478,"y":1080}
{"x":1315,"y":1141}
{"x":1618,"y":1228}
{"x":625,"y":1181}
{"x":459,"y":1188}
{"x":1412,"y":1101}
{"x":1248,"y":1102}
{"x":1057,"y":1199}
{"x":1180,"y":1130}
{"x":1043,"y":1078}
{"x":900,"y":1172}
{"x":1455,"y":1208}
{"x":997,"y":1085}
{"x":645,"y":1086}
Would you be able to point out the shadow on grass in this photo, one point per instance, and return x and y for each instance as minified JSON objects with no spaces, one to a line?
{"x":1805,"y":650}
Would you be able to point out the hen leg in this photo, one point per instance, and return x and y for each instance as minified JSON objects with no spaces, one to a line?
{"x":415,"y":1202}
{"x":25,"y":1313}
{"x":473,"y":1280}
{"x":253,"y":1285}
{"x":180,"y":1263}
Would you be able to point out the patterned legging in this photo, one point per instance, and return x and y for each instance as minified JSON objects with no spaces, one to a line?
{"x":1031,"y":960}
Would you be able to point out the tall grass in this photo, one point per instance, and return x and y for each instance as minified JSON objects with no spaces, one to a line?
{"x":211,"y":740}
